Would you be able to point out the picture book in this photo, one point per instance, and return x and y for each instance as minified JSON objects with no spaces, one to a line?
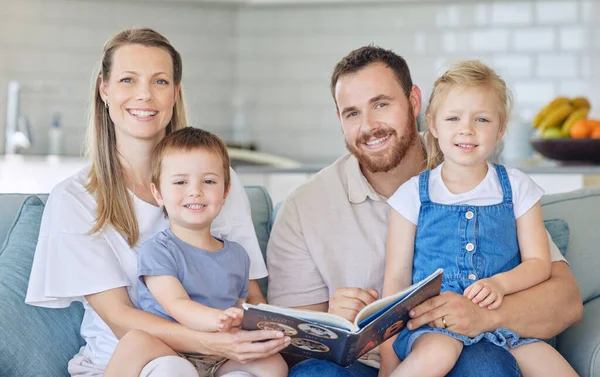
{"x":327,"y":336}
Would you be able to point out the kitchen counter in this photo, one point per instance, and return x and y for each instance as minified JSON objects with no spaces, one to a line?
{"x":36,"y":174}
{"x":39,"y":174}
{"x":532,"y":165}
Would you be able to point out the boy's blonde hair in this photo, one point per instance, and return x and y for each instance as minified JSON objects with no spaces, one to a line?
{"x":189,"y":139}
{"x":470,"y":73}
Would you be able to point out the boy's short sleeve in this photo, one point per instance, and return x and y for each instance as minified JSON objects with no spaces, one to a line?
{"x":156,"y":259}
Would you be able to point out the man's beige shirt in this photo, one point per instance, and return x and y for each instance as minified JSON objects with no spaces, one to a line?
{"x":329,"y":234}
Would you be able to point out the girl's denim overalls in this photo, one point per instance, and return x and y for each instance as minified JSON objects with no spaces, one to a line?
{"x":469,"y":243}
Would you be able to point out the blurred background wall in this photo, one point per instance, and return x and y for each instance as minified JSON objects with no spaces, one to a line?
{"x":258,"y":72}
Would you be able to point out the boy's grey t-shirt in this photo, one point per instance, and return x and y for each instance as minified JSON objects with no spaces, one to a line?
{"x":214,"y":279}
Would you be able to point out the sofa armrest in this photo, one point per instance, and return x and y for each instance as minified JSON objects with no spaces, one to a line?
{"x":580,"y":344}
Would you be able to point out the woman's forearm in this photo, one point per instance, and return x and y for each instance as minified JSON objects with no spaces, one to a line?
{"x":544,"y":310}
{"x":117,"y":311}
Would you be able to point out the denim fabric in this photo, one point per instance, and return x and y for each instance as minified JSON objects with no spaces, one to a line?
{"x":314,"y":367}
{"x":444,"y":231}
{"x":469,"y":243}
{"x":484,"y":359}
{"x":479,"y":360}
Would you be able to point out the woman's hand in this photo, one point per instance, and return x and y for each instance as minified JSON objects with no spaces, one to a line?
{"x":245,"y":346}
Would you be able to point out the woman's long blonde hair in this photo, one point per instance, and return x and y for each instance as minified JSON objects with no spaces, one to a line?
{"x":470,"y":73}
{"x":106,"y":178}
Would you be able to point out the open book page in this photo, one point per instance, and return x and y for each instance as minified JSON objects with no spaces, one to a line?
{"x":363,"y":318}
{"x":374,"y":309}
{"x":308,"y":315}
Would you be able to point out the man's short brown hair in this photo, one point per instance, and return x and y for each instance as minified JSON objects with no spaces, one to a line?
{"x":361,"y":57}
{"x":187,"y":140}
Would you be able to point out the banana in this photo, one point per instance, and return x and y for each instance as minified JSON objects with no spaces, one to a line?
{"x":580,"y":103}
{"x":576,"y":115}
{"x":556,"y":116}
{"x":558,"y":101}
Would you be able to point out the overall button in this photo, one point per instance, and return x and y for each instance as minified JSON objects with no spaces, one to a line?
{"x":469,"y":215}
{"x":470,"y":247}
{"x":472,"y":277}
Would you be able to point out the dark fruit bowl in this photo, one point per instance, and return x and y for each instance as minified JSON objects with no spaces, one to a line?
{"x":583,"y":150}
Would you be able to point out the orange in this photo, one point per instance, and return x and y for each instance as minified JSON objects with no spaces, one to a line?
{"x":581,"y":129}
{"x":595,"y":124}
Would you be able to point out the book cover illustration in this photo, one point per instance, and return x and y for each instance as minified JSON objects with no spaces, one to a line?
{"x":330,"y":337}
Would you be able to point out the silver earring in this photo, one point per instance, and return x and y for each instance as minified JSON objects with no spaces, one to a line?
{"x":106,"y":104}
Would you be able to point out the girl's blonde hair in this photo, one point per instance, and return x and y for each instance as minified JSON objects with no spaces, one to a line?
{"x":106,"y":179}
{"x":470,"y":73}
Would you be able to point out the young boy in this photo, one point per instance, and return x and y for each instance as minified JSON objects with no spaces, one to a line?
{"x":187,"y":275}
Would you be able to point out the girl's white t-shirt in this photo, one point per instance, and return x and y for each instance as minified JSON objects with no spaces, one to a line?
{"x":69,"y":263}
{"x":525,"y":193}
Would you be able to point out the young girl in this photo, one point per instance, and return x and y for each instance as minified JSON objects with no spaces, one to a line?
{"x":480,"y":222}
{"x":186,"y":274}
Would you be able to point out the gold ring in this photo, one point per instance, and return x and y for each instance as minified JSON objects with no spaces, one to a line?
{"x":444,"y":321}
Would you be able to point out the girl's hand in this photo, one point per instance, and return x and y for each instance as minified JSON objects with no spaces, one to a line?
{"x":486,"y":293}
{"x":229,"y":319}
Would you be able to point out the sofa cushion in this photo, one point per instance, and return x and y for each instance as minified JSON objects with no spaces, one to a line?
{"x":262,"y":209}
{"x":33,"y":341}
{"x":10,"y":204}
{"x":559,"y":231}
{"x":580,"y":210}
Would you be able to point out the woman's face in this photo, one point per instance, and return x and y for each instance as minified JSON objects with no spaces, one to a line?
{"x":140,"y":92}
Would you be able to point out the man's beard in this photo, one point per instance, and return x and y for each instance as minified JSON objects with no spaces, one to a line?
{"x":393,"y":155}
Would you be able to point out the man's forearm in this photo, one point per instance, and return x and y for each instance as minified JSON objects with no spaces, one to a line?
{"x":544,"y":310}
{"x":255,"y":295}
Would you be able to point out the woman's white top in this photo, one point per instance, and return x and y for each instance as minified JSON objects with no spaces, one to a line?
{"x":69,"y":263}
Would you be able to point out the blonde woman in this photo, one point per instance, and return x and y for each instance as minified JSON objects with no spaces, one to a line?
{"x":95,"y":221}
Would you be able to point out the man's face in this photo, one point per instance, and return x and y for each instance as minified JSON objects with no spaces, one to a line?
{"x":377,"y":119}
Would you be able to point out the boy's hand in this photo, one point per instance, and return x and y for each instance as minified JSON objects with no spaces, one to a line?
{"x":229,"y":319}
{"x":485,"y":292}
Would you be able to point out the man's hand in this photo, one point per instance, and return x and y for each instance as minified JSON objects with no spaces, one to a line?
{"x":347,"y":302}
{"x":459,"y":314}
{"x":486,"y":293}
{"x":229,"y":319}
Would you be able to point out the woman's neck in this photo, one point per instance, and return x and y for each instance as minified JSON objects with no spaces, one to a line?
{"x":460,"y":179}
{"x":134,"y":157}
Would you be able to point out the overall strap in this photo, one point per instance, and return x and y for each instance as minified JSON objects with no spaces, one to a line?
{"x":424,"y":187}
{"x":505,"y":183}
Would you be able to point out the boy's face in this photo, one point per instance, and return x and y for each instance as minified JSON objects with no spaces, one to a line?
{"x":192,"y":188}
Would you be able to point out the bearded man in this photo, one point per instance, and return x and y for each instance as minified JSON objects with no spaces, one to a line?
{"x":327,"y":248}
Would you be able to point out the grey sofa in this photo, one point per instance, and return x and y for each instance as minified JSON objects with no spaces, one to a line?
{"x":39,"y":342}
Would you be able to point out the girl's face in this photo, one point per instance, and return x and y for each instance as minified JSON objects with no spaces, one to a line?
{"x":467,"y":125}
{"x":140,"y":92}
